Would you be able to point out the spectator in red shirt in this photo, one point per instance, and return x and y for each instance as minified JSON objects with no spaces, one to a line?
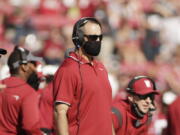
{"x":50,"y":7}
{"x":19,"y":113}
{"x":2,"y":86}
{"x":81,"y":88}
{"x":173,"y":118}
{"x":53,"y":51}
{"x":132,"y":116}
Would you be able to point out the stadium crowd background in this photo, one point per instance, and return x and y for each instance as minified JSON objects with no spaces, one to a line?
{"x":141,"y":37}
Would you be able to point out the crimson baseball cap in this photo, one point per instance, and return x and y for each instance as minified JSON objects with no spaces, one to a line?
{"x":3,"y":51}
{"x":142,"y":86}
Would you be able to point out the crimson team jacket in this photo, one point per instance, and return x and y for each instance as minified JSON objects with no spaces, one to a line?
{"x":19,"y":111}
{"x":125,"y":123}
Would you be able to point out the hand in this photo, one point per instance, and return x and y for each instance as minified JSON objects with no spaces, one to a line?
{"x":2,"y":86}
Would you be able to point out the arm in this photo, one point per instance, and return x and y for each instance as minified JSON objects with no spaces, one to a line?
{"x":116,"y":118}
{"x":61,"y":119}
{"x":113,"y":130}
{"x":2,"y":86}
{"x":64,"y":85}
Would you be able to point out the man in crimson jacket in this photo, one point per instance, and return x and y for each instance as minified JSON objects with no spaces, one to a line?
{"x":133,"y":115}
{"x":19,"y":113}
{"x":81,"y":88}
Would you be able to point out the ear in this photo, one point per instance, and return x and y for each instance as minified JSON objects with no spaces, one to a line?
{"x":130,"y":98}
{"x":24,"y":67}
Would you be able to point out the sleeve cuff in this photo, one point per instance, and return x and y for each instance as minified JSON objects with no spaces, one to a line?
{"x":62,"y":102}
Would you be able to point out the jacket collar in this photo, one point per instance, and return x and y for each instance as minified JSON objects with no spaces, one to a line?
{"x":80,"y":59}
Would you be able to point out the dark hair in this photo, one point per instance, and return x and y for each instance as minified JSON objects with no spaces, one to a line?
{"x":49,"y":78}
{"x":14,"y":56}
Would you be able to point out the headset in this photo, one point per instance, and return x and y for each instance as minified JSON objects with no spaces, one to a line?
{"x":78,"y":35}
{"x":23,"y":57}
{"x":23,"y":54}
{"x":131,"y":83}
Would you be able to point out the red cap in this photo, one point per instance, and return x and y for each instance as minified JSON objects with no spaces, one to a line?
{"x":143,"y":86}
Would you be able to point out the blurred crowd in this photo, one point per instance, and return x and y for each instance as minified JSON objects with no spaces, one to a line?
{"x":141,"y":37}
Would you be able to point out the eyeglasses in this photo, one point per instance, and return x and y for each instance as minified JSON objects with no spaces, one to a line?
{"x":144,"y":97}
{"x":94,"y":37}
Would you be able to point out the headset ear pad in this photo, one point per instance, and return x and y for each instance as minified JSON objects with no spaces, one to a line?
{"x":74,"y":35}
{"x":77,"y":36}
{"x":80,"y":34}
{"x":130,"y":85}
{"x":22,"y":53}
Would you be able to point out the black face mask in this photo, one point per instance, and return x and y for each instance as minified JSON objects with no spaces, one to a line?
{"x":92,"y":47}
{"x":34,"y":81}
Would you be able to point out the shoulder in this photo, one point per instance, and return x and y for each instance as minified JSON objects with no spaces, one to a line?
{"x":118,"y":111}
{"x":68,"y":65}
{"x":68,"y":72}
{"x":177,"y":101}
{"x":28,"y":90}
{"x":19,"y":89}
{"x":121,"y":104}
{"x":175,"y":105}
{"x":99,"y":64}
{"x":18,"y":85}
